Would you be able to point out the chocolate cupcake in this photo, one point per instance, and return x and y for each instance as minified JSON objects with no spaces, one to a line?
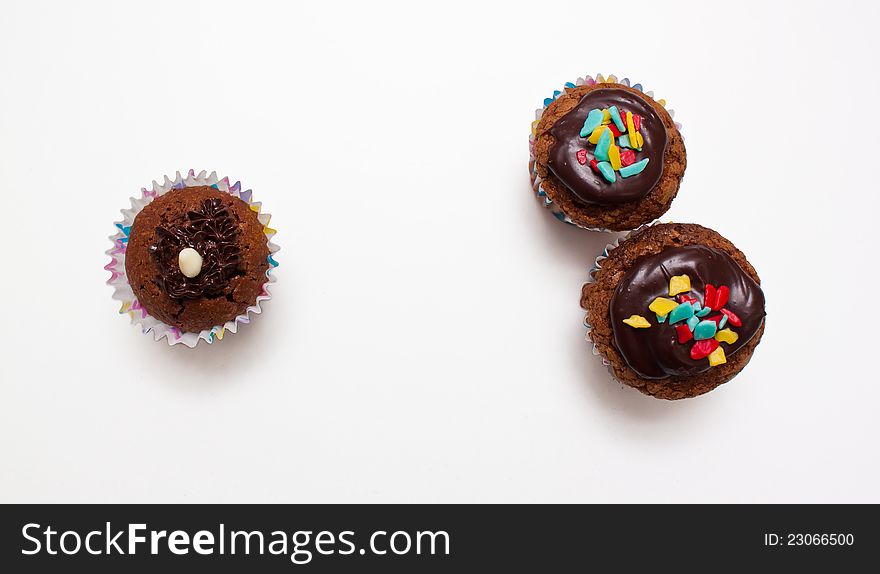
{"x":606,"y":156}
{"x":674,"y":310}
{"x":192,"y":259}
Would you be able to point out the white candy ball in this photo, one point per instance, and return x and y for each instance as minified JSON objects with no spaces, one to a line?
{"x":190,"y":262}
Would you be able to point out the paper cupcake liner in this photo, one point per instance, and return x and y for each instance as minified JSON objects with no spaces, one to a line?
{"x":533,"y":171}
{"x":591,"y":278}
{"x":119,"y":281}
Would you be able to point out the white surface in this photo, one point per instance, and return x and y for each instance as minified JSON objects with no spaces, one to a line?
{"x":425,"y":342}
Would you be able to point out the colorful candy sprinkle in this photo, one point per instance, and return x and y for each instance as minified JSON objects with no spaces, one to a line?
{"x":633,"y":169}
{"x":607,"y":171}
{"x":722,"y":322}
{"x":692,"y":323}
{"x":721,"y":296}
{"x":684,"y":334}
{"x":732,"y":317}
{"x":614,"y":156}
{"x":679,"y":284}
{"x":663,"y":306}
{"x":631,"y":128}
{"x":594,"y":120}
{"x":726,"y":336}
{"x":582,"y":156}
{"x":606,"y":117}
{"x":717,"y":357}
{"x":661,"y":318}
{"x":709,"y":297}
{"x":615,"y":117}
{"x":627,"y":157}
{"x":623,"y":141}
{"x":684,"y":298}
{"x":640,"y":141}
{"x":603,"y":145}
{"x":597,"y":133}
{"x":595,"y":165}
{"x":702,"y":349}
{"x":617,"y":133}
{"x":703,"y":312}
{"x":681,"y":312}
{"x":705,"y":330}
{"x":637,"y":321}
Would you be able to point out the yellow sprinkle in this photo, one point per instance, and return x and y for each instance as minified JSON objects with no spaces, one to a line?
{"x":631,"y":128}
{"x":600,"y":79}
{"x":637,"y":321}
{"x":614,"y":156}
{"x":641,"y":140}
{"x":679,"y":284}
{"x":726,"y":336}
{"x":717,"y":357}
{"x":597,"y":133}
{"x":535,"y":127}
{"x":662,"y":102}
{"x":662,"y":305}
{"x":612,"y":79}
{"x":219,"y":334}
{"x":606,"y":117}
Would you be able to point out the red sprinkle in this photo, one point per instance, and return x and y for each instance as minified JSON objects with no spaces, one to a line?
{"x":637,"y":121}
{"x":716,"y":318}
{"x":683,"y":298}
{"x":627,"y":157}
{"x":595,"y":165}
{"x":614,"y":131}
{"x":703,"y":349}
{"x":582,"y":156}
{"x":709,"y":299}
{"x":732,"y":318}
{"x":721,"y":297}
{"x":684,"y":334}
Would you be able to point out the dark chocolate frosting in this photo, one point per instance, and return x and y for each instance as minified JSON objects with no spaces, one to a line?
{"x":586,"y":184}
{"x":655,"y":353}
{"x":213,"y":233}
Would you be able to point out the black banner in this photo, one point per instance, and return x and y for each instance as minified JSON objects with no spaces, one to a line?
{"x":424,"y":538}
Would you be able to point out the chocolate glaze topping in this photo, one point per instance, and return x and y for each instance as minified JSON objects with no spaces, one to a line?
{"x":584,"y":183}
{"x":655,"y":353}
{"x":213,"y":233}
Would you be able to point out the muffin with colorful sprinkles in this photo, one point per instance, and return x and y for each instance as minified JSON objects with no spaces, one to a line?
{"x":192,"y":259}
{"x":606,"y":155}
{"x":675,"y":310}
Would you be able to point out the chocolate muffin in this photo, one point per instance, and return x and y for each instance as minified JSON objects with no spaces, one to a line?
{"x":675,"y":309}
{"x":196,"y":257}
{"x":608,"y":156}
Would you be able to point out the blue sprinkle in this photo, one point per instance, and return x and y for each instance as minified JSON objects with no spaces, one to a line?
{"x":661,"y":318}
{"x":272,"y":262}
{"x":692,"y":323}
{"x":605,"y":168}
{"x":215,"y":186}
{"x":615,"y":117}
{"x":681,"y":312}
{"x":638,"y":87}
{"x":556,"y":94}
{"x":602,"y":148}
{"x":704,"y":311}
{"x":633,"y":169}
{"x":547,"y":101}
{"x":569,"y":85}
{"x":560,"y":216}
{"x":623,"y":141}
{"x":705,"y":330}
{"x":722,"y":322}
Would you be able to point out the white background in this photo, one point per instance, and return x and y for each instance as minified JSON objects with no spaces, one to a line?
{"x":425,"y":342}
